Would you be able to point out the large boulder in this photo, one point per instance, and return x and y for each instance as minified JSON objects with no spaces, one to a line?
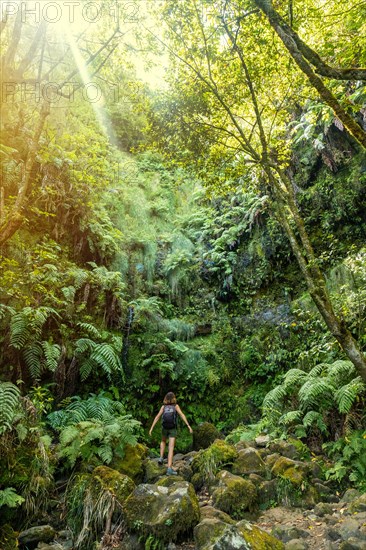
{"x":107,"y":479}
{"x":248,"y":462}
{"x":234,"y":494}
{"x":204,"y":435}
{"x":164,"y":512}
{"x":207,"y":462}
{"x":292,"y":470}
{"x":214,"y":534}
{"x":132,"y":464}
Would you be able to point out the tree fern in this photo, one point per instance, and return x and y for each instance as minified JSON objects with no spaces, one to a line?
{"x":341,"y":372}
{"x":294,"y":378}
{"x":52,"y":353}
{"x":9,"y":403}
{"x":33,"y":359}
{"x":346,"y":396}
{"x":316,"y":393}
{"x":315,"y":418}
{"x":90,"y":329}
{"x":273,"y":401}
{"x":96,"y":407}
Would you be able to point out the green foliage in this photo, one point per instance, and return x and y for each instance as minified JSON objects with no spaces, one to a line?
{"x":349,"y":454}
{"x":9,"y":405}
{"x":305,"y":400}
{"x":101,"y":439}
{"x":8,"y":497}
{"x":96,"y":407}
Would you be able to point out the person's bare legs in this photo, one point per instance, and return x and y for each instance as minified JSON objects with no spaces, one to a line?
{"x":162,"y":447}
{"x":171,"y":451}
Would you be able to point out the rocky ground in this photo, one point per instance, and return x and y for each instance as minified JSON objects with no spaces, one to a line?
{"x":257,"y":495}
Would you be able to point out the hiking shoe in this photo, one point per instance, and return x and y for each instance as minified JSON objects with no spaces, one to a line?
{"x":161,"y":461}
{"x":171,"y":472}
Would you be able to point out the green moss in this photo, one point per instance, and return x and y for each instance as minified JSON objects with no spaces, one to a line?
{"x":164,"y":512}
{"x":120,"y":485}
{"x":132,"y":464}
{"x":208,"y":461}
{"x":235,"y":495}
{"x":288,"y":469}
{"x":258,"y":539}
{"x":204,"y":435}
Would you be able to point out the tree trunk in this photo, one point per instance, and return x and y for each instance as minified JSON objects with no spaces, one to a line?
{"x":11,"y":222}
{"x":348,"y":121}
{"x":316,"y":283}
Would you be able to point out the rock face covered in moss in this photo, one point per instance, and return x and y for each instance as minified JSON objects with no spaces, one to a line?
{"x":132,"y":464}
{"x":249,"y":461}
{"x":292,"y":470}
{"x":118,"y":484}
{"x":208,"y":461}
{"x":234,"y":494}
{"x":214,"y":534}
{"x":204,"y":435}
{"x":164,"y":512}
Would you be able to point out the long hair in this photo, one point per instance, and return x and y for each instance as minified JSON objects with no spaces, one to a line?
{"x":170,"y":399}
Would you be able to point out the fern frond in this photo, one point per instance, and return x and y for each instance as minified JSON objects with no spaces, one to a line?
{"x":274,"y":399}
{"x":294,"y":378}
{"x":19,"y":328}
{"x":83,"y":345}
{"x":341,"y":373}
{"x":33,"y":359}
{"x":4,"y":310}
{"x":290,"y":417}
{"x":346,"y":396}
{"x":319,"y":370}
{"x":86,"y":368}
{"x":90,"y":329}
{"x":52,"y":354}
{"x":316,"y":394}
{"x":9,"y":402}
{"x":314,"y":417}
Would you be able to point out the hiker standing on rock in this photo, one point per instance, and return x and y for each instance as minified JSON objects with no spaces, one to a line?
{"x":168,"y":412}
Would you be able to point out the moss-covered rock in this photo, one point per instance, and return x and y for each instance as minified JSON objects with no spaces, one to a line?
{"x":284,"y":448}
{"x":294,"y":471}
{"x":359,"y":504}
{"x":120,"y":485}
{"x":204,"y":435}
{"x":168,"y":481}
{"x":207,"y":462}
{"x":214,"y":534}
{"x":132,"y":464}
{"x":209,"y":512}
{"x":234,"y":494}
{"x":164,"y":512}
{"x":153,"y":471}
{"x":248,"y":462}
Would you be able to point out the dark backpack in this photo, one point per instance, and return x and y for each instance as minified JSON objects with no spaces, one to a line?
{"x":169,"y":418}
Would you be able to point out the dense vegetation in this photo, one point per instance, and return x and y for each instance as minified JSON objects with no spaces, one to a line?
{"x":206,"y":237}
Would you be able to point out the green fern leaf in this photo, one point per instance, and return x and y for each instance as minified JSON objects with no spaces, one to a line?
{"x":9,"y":403}
{"x":89,"y":328}
{"x":294,"y":378}
{"x":341,"y":373}
{"x":346,"y":396}
{"x":314,"y":417}
{"x":33,"y":359}
{"x":52,"y":354}
{"x":316,"y":394}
